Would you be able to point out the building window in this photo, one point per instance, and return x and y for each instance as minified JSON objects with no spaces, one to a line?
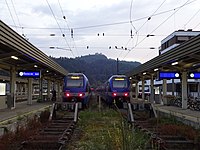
{"x":181,"y":39}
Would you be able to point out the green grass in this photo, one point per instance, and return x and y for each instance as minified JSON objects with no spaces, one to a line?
{"x":107,"y":131}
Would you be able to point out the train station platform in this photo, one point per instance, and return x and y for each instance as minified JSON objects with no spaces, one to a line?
{"x":187,"y":116}
{"x":22,"y":109}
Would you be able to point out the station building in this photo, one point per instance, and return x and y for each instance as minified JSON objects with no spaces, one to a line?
{"x":173,"y":85}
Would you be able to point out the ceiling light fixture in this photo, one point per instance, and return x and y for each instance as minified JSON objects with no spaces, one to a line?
{"x":174,"y":63}
{"x":14,"y":57}
{"x":156,"y":69}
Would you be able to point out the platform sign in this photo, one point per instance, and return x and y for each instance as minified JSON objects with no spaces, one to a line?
{"x":194,"y":75}
{"x":29,"y":74}
{"x":169,"y":75}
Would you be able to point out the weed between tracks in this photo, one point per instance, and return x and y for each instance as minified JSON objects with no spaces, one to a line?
{"x":107,"y":131}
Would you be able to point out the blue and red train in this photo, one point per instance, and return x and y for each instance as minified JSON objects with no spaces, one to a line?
{"x":116,"y":89}
{"x":76,"y":89}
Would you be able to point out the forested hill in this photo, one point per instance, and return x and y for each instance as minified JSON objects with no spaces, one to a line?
{"x":98,"y":68}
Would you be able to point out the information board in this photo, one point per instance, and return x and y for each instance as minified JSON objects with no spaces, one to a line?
{"x":29,"y":74}
{"x":169,"y":75}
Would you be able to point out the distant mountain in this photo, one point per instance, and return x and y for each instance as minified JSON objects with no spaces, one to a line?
{"x":98,"y":68}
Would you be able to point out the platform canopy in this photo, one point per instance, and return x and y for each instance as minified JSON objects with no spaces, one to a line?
{"x":18,"y":52}
{"x":185,"y":57}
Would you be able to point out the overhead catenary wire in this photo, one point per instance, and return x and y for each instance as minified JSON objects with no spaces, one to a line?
{"x":157,"y":27}
{"x":125,"y":46}
{"x":131,"y":15}
{"x":78,"y":32}
{"x":11,"y":15}
{"x":17,"y":16}
{"x":191,"y":18}
{"x":59,"y":27}
{"x":64,"y":17}
{"x":106,"y":24}
{"x":83,"y":48}
{"x":87,"y":34}
{"x":149,"y":18}
{"x":196,"y":26}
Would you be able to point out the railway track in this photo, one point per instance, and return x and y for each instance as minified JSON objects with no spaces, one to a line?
{"x":55,"y":134}
{"x":164,"y":141}
{"x":159,"y":139}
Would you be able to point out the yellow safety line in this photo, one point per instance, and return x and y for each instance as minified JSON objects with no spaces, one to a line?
{"x":27,"y":113}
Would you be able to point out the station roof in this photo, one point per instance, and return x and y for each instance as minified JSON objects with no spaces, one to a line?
{"x":12,"y":44}
{"x":186,"y":54}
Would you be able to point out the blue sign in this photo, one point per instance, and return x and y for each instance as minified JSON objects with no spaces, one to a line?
{"x":194,"y":75}
{"x":29,"y":74}
{"x":169,"y":75}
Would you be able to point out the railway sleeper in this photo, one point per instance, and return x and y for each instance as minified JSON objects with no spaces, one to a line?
{"x":62,"y":121}
{"x":172,"y":137}
{"x":51,"y":128}
{"x":65,"y":138}
{"x":151,"y":131}
{"x":46,"y":137}
{"x":68,"y":117}
{"x":50,"y":133}
{"x":180,"y":144}
{"x":41,"y":145}
{"x":58,"y":127}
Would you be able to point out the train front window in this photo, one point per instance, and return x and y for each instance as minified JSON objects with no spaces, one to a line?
{"x":75,"y":82}
{"x":119,"y":84}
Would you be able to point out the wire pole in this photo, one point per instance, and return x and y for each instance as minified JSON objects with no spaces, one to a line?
{"x":117,"y":66}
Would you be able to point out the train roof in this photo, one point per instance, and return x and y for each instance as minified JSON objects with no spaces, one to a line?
{"x":117,"y":76}
{"x":75,"y":74}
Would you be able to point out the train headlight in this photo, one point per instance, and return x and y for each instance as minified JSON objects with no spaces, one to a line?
{"x":125,"y":94}
{"x":67,"y":94}
{"x":81,"y":94}
{"x":114,"y":94}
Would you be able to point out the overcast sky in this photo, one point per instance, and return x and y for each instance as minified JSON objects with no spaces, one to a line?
{"x":100,"y":26}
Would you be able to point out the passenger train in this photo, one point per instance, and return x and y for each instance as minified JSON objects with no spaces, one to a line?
{"x":116,"y":89}
{"x":76,"y":89}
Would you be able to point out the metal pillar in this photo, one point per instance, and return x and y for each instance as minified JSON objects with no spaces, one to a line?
{"x":152,"y":95}
{"x":30,"y":89}
{"x":184,"y":90}
{"x":164,"y":91}
{"x":59,"y":91}
{"x":131,"y":90}
{"x":130,"y":113}
{"x":143,"y":89}
{"x":117,"y":66}
{"x":12,"y":97}
{"x":48,"y":89}
{"x":136,"y":90}
{"x":173,"y":87}
{"x":41,"y":88}
{"x":76,"y":113}
{"x":198,"y":88}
